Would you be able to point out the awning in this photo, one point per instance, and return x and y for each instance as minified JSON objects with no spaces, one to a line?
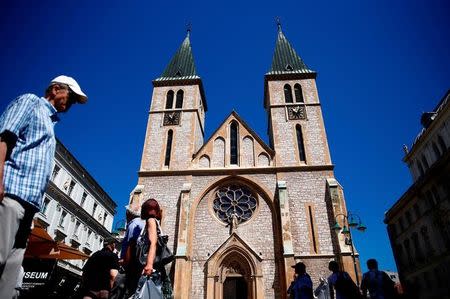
{"x":41,"y":245}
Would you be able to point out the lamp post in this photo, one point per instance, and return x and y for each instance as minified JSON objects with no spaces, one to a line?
{"x":351,"y":221}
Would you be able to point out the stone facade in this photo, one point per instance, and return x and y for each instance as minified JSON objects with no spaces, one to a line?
{"x":419,"y":222}
{"x":251,"y":249}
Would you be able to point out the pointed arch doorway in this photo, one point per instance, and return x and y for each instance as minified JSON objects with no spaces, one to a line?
{"x":234,"y":272}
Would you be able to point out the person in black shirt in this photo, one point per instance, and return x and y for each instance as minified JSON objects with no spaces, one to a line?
{"x":100,"y":271}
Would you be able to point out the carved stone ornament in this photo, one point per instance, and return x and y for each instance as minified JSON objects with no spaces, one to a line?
{"x":172,"y":118}
{"x":296,"y":112}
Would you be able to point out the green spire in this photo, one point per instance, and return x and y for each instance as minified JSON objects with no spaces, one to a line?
{"x":182,"y":66}
{"x":285,"y":59}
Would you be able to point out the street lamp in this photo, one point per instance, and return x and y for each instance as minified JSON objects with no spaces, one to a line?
{"x":350,"y":221}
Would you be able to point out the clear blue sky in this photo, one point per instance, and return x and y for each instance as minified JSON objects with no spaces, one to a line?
{"x":380,"y":64}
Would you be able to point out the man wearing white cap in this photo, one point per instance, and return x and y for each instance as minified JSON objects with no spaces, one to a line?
{"x":27,"y":149}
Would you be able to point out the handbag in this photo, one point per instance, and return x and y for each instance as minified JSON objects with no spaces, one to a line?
{"x":163,"y":254}
{"x":147,"y":288}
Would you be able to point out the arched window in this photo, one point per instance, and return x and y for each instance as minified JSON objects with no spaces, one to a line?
{"x":436,"y":150}
{"x":169,"y":99}
{"x":168,"y":147}
{"x":234,"y":143}
{"x":179,"y":102}
{"x":442,"y":144}
{"x":425,"y":162}
{"x":300,"y":143}
{"x":298,"y":93}
{"x":287,"y":93}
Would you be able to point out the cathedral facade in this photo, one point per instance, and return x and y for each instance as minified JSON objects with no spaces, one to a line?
{"x":240,"y":212}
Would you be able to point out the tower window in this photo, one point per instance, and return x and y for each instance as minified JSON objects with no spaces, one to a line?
{"x":288,"y":93}
{"x":169,"y":99}
{"x":300,"y":143}
{"x":298,"y":93}
{"x":168,"y":148}
{"x":179,"y":102}
{"x":234,"y":143}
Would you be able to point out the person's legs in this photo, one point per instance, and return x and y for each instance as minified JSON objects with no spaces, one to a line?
{"x":11,"y":213}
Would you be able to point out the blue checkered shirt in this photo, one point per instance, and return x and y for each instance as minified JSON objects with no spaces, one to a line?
{"x":26,"y":173}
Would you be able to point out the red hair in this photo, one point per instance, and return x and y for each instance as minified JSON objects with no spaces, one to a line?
{"x":151,"y":209}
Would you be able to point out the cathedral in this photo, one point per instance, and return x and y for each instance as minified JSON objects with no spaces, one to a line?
{"x":239,"y":212}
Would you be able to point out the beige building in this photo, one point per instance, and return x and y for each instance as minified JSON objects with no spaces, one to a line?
{"x":241,"y":212}
{"x":419,"y":222}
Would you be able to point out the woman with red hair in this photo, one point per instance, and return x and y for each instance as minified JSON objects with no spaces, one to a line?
{"x":151,"y":214}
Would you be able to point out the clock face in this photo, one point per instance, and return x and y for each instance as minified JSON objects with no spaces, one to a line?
{"x":172,"y":118}
{"x":296,"y":112}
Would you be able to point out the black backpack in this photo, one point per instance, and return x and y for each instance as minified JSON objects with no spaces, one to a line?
{"x":345,"y":286}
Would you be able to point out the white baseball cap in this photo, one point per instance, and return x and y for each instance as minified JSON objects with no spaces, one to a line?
{"x":73,"y":85}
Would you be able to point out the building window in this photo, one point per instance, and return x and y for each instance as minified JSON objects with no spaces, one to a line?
{"x":168,"y":148}
{"x":94,"y":209}
{"x":76,"y":230}
{"x":298,"y":93}
{"x":426,"y":280}
{"x":426,"y":240}
{"x":436,"y":196}
{"x":71,"y":186}
{"x":312,"y":230}
{"x":300,"y":143}
{"x":62,"y":219}
{"x":420,"y":168}
{"x":417,"y":247}
{"x":234,"y":204}
{"x":55,"y":172}
{"x":45,"y":205}
{"x":288,"y":94}
{"x":234,"y":143}
{"x":442,"y":144}
{"x":104,"y":217}
{"x":401,"y":223}
{"x":431,"y":199}
{"x":417,"y":210}
{"x":179,"y":102}
{"x":425,"y":162}
{"x":437,"y":153}
{"x":169,"y":99}
{"x":83,"y":199}
{"x":407,"y":246}
{"x":408,"y":218}
{"x":88,"y":239}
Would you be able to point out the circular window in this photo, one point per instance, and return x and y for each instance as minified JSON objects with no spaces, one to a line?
{"x":234,"y":202}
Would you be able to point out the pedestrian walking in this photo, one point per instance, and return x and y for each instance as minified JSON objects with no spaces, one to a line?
{"x":27,"y":149}
{"x":302,"y":287}
{"x":146,"y":250}
{"x":341,"y":283}
{"x":100,"y":271}
{"x":377,"y":283}
{"x":128,"y":258}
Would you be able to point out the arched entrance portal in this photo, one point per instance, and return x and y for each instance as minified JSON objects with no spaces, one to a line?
{"x":234,"y":272}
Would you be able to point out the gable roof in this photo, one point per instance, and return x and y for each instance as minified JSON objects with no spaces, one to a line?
{"x":234,"y":115}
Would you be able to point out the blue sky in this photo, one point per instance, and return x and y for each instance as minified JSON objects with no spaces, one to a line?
{"x":380,"y":65}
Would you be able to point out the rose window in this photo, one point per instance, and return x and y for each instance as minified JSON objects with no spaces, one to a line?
{"x":234,"y":202}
